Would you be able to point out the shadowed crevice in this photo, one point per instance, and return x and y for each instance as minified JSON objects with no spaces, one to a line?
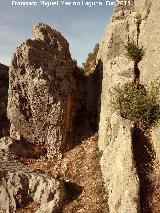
{"x":144,"y":156}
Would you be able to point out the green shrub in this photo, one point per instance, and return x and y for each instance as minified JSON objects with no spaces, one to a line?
{"x":138,"y":104}
{"x":134,"y":51}
{"x":89,"y":66}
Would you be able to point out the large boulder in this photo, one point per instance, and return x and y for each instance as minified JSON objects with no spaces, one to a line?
{"x":20,"y":186}
{"x":40,"y":90}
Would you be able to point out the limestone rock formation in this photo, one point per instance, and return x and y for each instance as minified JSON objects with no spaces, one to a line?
{"x":139,"y":22}
{"x":4,"y":84}
{"x":21,"y":186}
{"x":40,"y":90}
{"x":149,"y":37}
{"x":46,"y":91}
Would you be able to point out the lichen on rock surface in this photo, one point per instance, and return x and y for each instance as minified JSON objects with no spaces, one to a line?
{"x":40,"y":90}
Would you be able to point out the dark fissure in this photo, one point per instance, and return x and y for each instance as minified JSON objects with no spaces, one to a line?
{"x":87,"y":116}
{"x":144,"y":157}
{"x":136,"y":74}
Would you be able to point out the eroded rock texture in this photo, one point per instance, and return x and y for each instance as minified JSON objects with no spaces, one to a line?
{"x":40,"y":90}
{"x":138,"y":22}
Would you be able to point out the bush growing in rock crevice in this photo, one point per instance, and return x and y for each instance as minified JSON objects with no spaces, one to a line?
{"x":138,"y":104}
{"x":134,"y":51}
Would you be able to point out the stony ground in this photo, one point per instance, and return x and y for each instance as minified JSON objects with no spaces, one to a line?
{"x":80,"y":168}
{"x":84,"y":170}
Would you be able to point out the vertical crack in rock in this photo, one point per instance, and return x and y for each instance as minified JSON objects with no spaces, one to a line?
{"x":138,"y":29}
{"x":136,"y":68}
{"x":93,"y":94}
{"x":86,"y":192}
{"x":144,"y":156}
{"x":88,"y":102}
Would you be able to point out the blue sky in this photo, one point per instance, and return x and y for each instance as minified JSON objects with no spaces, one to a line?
{"x":82,"y":26}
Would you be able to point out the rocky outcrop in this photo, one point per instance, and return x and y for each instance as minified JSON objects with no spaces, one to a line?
{"x":21,"y":186}
{"x":40,"y":90}
{"x":118,"y":162}
{"x":45,"y":94}
{"x":4,"y":84}
{"x":150,"y":65}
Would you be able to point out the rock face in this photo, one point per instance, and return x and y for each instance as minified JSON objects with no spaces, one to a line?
{"x":138,"y":22}
{"x":20,"y":186}
{"x":40,"y":90}
{"x":150,"y":65}
{"x":4,"y":84}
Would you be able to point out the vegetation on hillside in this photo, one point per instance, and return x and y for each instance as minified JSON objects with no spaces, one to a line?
{"x":89,"y":65}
